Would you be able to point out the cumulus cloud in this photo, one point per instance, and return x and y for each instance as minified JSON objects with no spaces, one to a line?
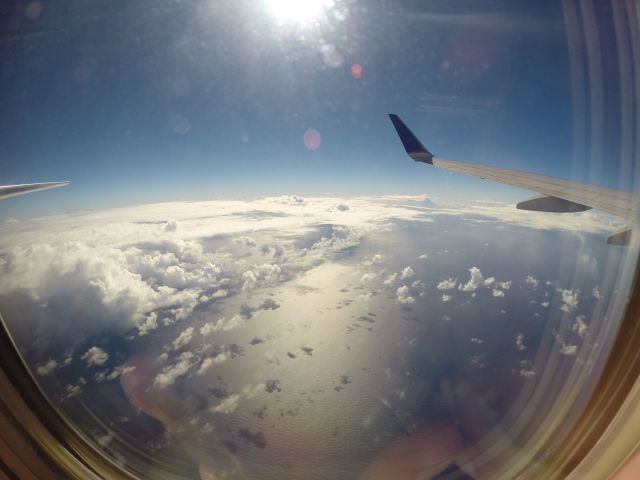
{"x":227,"y":405}
{"x":406,"y":272}
{"x":95,"y":356}
{"x":579,"y":326}
{"x":368,"y":277}
{"x":569,"y":300}
{"x":261,"y":275}
{"x":520,"y":342}
{"x":231,"y":403}
{"x":375,"y":259}
{"x":71,"y":390}
{"x":489,"y":281}
{"x":171,"y":226}
{"x":292,"y":200}
{"x":531,"y":280}
{"x":245,"y":241}
{"x":342,"y":207}
{"x":47,"y":368}
{"x":210,"y":362}
{"x":402,"y":295}
{"x":222,"y":325}
{"x":568,"y":350}
{"x":391,"y":279}
{"x":446,"y":298}
{"x":447,"y":284}
{"x":113,"y":374}
{"x":596,"y":293}
{"x":503,"y":285}
{"x":474,"y":282}
{"x":423,"y":256}
{"x":183,"y":339}
{"x":497,"y":293}
{"x":526,"y":370}
{"x":149,"y":324}
{"x":170,"y":373}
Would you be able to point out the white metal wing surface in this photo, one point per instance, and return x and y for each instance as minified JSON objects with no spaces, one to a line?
{"x":7,"y":191}
{"x":558,"y":195}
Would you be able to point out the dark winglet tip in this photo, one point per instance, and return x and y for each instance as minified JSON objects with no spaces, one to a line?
{"x":410,"y":142}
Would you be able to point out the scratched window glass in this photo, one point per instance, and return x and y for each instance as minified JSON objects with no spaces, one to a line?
{"x":331,"y":239}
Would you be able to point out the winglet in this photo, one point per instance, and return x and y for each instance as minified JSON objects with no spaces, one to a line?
{"x":411,"y":144}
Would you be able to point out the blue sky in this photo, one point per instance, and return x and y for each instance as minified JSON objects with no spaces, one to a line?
{"x":162,"y":100}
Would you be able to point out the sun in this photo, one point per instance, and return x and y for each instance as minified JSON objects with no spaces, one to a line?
{"x":298,"y":11}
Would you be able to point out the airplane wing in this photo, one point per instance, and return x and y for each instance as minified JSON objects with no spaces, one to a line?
{"x":558,"y":195}
{"x":7,"y":191}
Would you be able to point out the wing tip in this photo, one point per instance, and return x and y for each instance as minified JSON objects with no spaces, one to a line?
{"x":414,"y":147}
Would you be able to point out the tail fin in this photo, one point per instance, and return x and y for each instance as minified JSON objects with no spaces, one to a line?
{"x":411,"y":144}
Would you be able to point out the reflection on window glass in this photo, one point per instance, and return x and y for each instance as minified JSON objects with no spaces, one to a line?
{"x":248,"y":278}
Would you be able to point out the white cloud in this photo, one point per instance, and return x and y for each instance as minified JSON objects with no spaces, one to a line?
{"x":596,"y":293}
{"x":233,"y":323}
{"x":580,"y":326}
{"x":368,"y":277}
{"x":406,"y":272}
{"x":115,"y":373}
{"x":445,"y":298}
{"x":489,"y":281}
{"x":222,"y":325}
{"x":231,"y":403}
{"x":150,"y":323}
{"x":162,"y":358}
{"x":376,"y":259}
{"x":95,"y":356}
{"x":447,"y":284}
{"x":544,"y":304}
{"x":531,"y":280}
{"x":503,"y":285}
{"x":520,"y":342}
{"x":47,"y":367}
{"x":246,"y":241}
{"x":474,"y":282}
{"x":170,"y":373}
{"x":210,"y":327}
{"x":261,"y":275}
{"x":403,"y":296}
{"x":183,"y":339}
{"x":569,"y":300}
{"x":210,"y":362}
{"x":391,"y":279}
{"x":171,"y":226}
{"x":526,"y":370}
{"x":71,"y":390}
{"x":228,"y":405}
{"x":497,"y":293}
{"x":569,"y":350}
{"x":292,"y":200}
{"x":342,"y":207}
{"x":424,"y":256}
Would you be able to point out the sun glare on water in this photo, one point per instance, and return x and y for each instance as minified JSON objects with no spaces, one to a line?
{"x":298,"y":11}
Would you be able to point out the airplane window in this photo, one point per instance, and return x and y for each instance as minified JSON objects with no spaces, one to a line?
{"x":331,"y":239}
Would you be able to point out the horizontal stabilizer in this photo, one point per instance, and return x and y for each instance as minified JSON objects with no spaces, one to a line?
{"x":547,"y":203}
{"x":410,"y":142}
